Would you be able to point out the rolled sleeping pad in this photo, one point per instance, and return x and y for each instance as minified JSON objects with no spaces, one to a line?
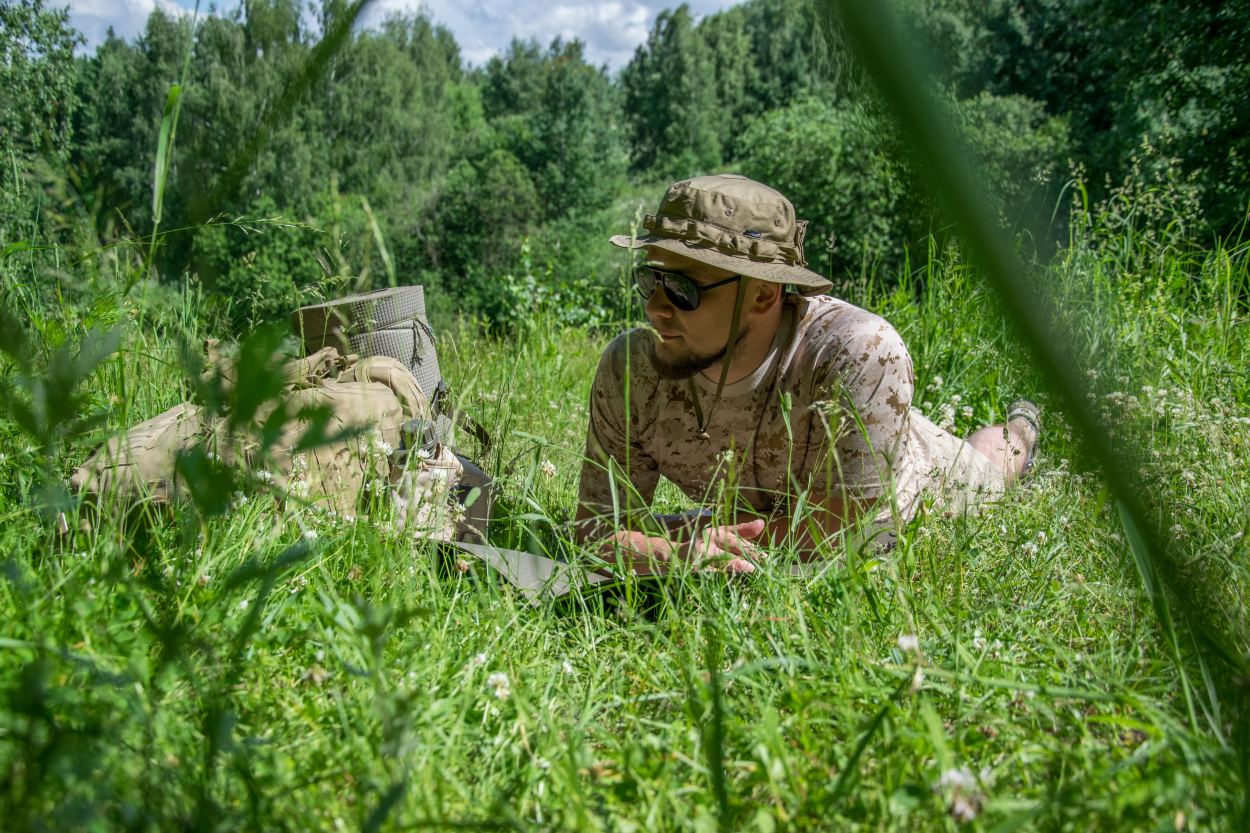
{"x":386,"y":322}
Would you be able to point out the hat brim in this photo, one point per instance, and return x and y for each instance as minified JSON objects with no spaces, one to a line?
{"x":765,"y":270}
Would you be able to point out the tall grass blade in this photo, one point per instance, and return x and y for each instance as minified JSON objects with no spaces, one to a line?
{"x":309,"y":74}
{"x":899,"y":76}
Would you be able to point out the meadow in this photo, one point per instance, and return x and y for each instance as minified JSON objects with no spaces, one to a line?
{"x":277,"y":669}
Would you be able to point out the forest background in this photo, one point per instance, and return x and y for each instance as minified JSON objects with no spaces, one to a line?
{"x":453,"y":168}
{"x":1060,"y":661}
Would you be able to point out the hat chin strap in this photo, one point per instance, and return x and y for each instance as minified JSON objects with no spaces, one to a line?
{"x":726,"y":360}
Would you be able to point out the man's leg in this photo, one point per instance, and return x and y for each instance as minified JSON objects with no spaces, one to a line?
{"x":1007,"y":446}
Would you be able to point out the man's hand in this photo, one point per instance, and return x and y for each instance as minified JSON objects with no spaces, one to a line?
{"x":729,"y":548}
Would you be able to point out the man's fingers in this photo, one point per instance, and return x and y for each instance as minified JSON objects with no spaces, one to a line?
{"x":728,"y":539}
{"x":750,"y":529}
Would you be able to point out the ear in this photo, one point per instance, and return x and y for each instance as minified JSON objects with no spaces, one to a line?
{"x":764,"y":295}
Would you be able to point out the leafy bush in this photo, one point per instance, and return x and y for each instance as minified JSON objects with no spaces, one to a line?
{"x":263,"y":265}
{"x":846,"y":171}
{"x":832,"y":164}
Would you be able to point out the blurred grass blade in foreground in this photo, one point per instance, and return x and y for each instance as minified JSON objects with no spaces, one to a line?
{"x":895,"y":67}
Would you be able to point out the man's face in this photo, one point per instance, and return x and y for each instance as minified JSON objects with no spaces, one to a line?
{"x":690,"y":341}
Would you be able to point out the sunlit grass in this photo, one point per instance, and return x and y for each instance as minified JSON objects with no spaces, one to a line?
{"x":382,"y":689}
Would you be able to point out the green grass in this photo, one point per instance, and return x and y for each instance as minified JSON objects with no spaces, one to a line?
{"x":155,"y":677}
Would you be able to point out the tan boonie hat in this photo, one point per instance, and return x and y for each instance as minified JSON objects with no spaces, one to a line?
{"x":734,"y":223}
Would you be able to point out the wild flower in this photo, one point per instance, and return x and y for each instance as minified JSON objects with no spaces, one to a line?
{"x":547,"y":468}
{"x":499,"y":682}
{"x":264,"y":476}
{"x":917,"y":680}
{"x":908,"y":643}
{"x":937,"y":382}
{"x":567,"y":667}
{"x":476,"y":661}
{"x":310,"y":535}
{"x":963,"y":793}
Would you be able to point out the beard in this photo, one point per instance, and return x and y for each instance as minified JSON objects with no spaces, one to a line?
{"x":684,"y":365}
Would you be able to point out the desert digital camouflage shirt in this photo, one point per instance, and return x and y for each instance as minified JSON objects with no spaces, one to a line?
{"x":828,"y":411}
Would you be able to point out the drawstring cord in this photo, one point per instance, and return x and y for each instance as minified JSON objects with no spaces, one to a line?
{"x":730,"y":345}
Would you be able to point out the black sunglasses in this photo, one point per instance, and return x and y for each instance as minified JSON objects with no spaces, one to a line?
{"x":681,"y":290}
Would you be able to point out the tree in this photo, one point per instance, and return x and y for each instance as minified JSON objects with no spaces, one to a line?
{"x":37,"y":96}
{"x":671,"y":104}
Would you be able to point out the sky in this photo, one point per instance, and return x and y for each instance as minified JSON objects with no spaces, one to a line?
{"x":611,"y":29}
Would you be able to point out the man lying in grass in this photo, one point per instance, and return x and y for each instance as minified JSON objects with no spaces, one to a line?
{"x":779,"y":399}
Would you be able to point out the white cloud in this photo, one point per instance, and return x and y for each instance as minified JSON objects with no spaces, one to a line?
{"x":611,"y":29}
{"x":127,"y":17}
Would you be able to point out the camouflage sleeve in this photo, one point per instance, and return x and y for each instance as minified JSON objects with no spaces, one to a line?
{"x":614,"y":454}
{"x":862,"y":403}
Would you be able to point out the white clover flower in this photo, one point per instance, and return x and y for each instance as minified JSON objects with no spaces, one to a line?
{"x":499,"y":682}
{"x":264,"y":476}
{"x":963,"y":793}
{"x":937,"y":382}
{"x":1041,"y":536}
{"x":957,"y":779}
{"x":567,"y":667}
{"x":1189,"y":477}
{"x":917,"y":680}
{"x":1029,"y":549}
{"x":966,"y":412}
{"x":382,"y":447}
{"x":547,"y":468}
{"x":908,"y":643}
{"x":310,"y":535}
{"x":243,"y":604}
{"x":978,"y":641}
{"x":476,"y":661}
{"x":963,"y":808}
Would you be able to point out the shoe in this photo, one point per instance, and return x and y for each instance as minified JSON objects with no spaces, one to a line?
{"x":1027,"y":410}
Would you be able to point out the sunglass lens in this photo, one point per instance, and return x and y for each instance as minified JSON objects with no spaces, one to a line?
{"x":644,"y":279}
{"x":681,"y":291}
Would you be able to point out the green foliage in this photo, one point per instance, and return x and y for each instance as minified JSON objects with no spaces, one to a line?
{"x":485,"y":212}
{"x":37,"y":98}
{"x":834,"y":167}
{"x":848,"y":172}
{"x":1122,"y":73}
{"x":671,"y":100}
{"x":273,"y":668}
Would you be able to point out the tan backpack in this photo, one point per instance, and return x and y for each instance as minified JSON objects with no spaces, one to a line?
{"x":377,"y":394}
